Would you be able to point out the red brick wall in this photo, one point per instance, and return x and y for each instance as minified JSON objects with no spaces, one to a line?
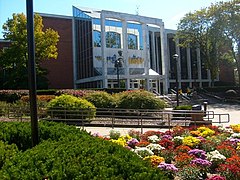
{"x":60,"y":70}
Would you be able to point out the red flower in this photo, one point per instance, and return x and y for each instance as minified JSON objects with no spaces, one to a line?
{"x":168,"y":144}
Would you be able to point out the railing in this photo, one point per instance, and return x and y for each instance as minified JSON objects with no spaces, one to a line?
{"x":133,"y":118}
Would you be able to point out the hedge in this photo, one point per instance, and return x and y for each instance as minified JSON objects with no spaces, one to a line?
{"x":65,"y":152}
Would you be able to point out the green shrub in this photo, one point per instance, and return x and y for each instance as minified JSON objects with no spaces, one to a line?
{"x":101,"y":99}
{"x":3,"y":108}
{"x":7,"y":152}
{"x":138,"y":99}
{"x":68,"y":106}
{"x":183,"y":107}
{"x":89,"y":158}
{"x":19,"y":133}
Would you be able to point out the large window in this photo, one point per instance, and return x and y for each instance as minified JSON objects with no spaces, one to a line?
{"x":113,"y":40}
{"x":97,"y":38}
{"x":132,"y":41}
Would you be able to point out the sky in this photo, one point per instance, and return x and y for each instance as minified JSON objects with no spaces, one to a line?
{"x":170,"y":11}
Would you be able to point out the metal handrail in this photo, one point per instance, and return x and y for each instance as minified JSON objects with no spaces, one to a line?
{"x":128,"y":117}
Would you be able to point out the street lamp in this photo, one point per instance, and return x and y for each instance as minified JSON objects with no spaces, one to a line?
{"x":175,"y":57}
{"x":32,"y":72}
{"x":118,"y":64}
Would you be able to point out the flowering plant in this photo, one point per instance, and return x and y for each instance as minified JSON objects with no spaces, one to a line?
{"x":235,"y":128}
{"x":183,"y":159}
{"x":209,"y":150}
{"x":156,"y":148}
{"x":143,"y":152}
{"x":154,"y":160}
{"x":132,"y":142}
{"x":169,"y":169}
{"x":191,"y":141}
{"x":198,"y":153}
{"x":153,"y":139}
{"x":203,"y":163}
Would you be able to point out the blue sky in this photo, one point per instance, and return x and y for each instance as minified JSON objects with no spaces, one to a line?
{"x":170,"y":11}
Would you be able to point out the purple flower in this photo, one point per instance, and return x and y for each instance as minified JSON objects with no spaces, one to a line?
{"x":132,"y":142}
{"x":198,"y":153}
{"x":169,"y":167}
{"x":201,"y":162}
{"x":216,"y":177}
{"x":166,"y":136}
{"x":234,"y":140}
{"x":201,"y":138}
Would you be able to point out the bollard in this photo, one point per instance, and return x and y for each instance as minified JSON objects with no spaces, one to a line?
{"x":205,"y":108}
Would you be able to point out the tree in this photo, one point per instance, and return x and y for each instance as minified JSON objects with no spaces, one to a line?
{"x":227,"y":16}
{"x":13,"y":60}
{"x":196,"y":30}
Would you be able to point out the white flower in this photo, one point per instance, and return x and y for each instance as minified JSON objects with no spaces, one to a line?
{"x":215,"y":156}
{"x":143,"y":151}
{"x":225,"y":130}
{"x":235,"y":135}
{"x":154,"y":147}
{"x":153,"y":138}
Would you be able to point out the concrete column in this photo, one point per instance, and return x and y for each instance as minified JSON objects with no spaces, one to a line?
{"x":145,"y":53}
{"x":125,"y":52}
{"x":103,"y":48}
{"x":165,"y":62}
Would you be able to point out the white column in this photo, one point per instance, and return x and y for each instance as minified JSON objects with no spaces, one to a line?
{"x":125,"y":52}
{"x":103,"y":47}
{"x":145,"y":53}
{"x":165,"y":62}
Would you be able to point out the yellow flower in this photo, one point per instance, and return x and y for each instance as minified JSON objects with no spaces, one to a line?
{"x":191,"y":141}
{"x":238,"y":146}
{"x":235,"y":128}
{"x":154,"y":159}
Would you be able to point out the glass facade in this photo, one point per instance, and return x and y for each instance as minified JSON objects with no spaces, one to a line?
{"x":172,"y":51}
{"x":84,"y":44}
{"x":132,"y":41}
{"x":184,"y":69}
{"x":113,"y":40}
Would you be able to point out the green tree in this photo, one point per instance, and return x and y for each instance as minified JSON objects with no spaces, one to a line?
{"x":197,"y":30}
{"x":227,"y":16}
{"x":13,"y":60}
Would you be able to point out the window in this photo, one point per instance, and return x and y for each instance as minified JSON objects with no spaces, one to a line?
{"x":132,"y":41}
{"x":97,"y":38}
{"x":113,"y":40}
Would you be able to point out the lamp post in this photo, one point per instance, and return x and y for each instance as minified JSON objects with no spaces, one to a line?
{"x":118,"y":64}
{"x":175,"y":57}
{"x":32,"y":72}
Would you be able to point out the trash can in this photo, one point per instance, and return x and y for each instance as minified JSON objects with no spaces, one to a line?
{"x":197,"y":113}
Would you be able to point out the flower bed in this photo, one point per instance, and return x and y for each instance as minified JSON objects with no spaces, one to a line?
{"x":206,"y":152}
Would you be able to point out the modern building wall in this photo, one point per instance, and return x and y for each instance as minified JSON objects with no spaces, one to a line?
{"x":87,"y":59}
